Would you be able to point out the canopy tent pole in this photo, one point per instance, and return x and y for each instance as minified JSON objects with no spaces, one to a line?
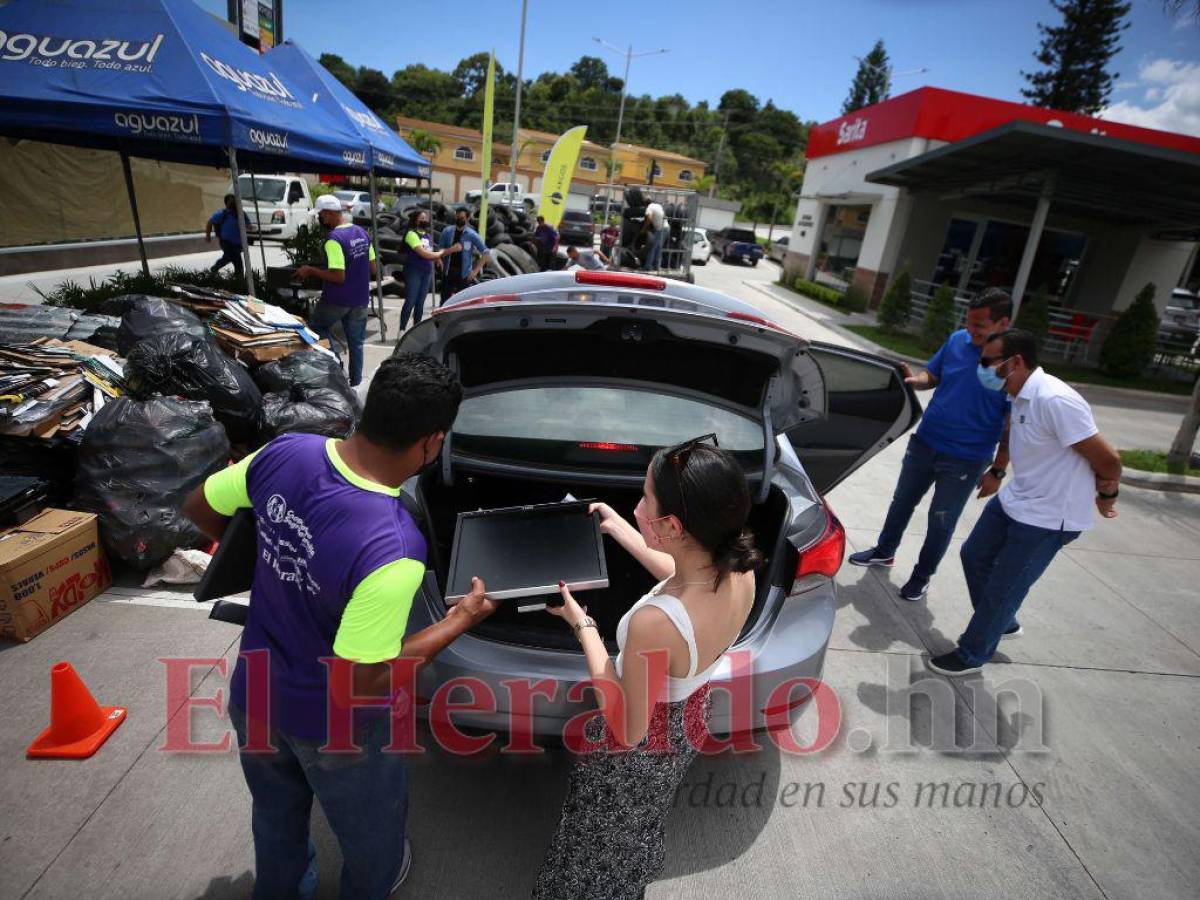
{"x":241,"y":219}
{"x":137,"y":222}
{"x":378,"y":259}
{"x":262,"y":248}
{"x":1031,"y":245}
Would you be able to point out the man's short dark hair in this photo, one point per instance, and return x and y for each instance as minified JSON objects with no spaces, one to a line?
{"x":411,"y":397}
{"x":998,"y":303}
{"x":1017,"y":342}
{"x":229,"y":197}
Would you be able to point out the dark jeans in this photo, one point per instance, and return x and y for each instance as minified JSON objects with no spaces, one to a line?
{"x":1002,"y":559}
{"x":952,"y":479}
{"x":654,"y":255}
{"x":354,"y":324}
{"x":452,"y":283}
{"x":364,"y":797}
{"x":230,"y":253}
{"x":416,"y":289}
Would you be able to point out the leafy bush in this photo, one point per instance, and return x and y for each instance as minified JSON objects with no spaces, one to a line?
{"x":817,"y":291}
{"x":76,"y":296}
{"x":939,"y":318}
{"x":307,"y":247}
{"x":1129,"y":348}
{"x":855,"y":299}
{"x":1034,"y":315}
{"x":896,"y":308}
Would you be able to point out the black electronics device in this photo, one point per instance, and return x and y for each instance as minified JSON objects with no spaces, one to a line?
{"x":231,"y":570}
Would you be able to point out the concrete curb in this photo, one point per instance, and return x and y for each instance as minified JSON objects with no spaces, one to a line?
{"x":1158,"y":481}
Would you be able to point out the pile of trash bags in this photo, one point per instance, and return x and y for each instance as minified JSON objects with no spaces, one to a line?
{"x":196,"y":368}
{"x":143,"y":317}
{"x":306,"y":392}
{"x":138,"y":460}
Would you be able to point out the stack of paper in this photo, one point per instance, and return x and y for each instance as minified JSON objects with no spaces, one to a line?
{"x":51,"y":388}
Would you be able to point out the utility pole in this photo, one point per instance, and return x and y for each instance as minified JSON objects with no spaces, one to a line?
{"x":508,"y":195}
{"x":712,"y":188}
{"x":612,"y":157}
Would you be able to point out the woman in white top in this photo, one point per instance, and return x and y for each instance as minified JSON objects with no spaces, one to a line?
{"x":691,"y":534}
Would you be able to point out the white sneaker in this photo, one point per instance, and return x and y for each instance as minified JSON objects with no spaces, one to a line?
{"x":405,"y":866}
{"x":1015,"y":633}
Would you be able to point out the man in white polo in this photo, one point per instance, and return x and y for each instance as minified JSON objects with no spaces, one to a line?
{"x":1062,"y":467}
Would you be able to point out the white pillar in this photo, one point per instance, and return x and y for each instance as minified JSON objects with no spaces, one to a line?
{"x":1031,"y":244}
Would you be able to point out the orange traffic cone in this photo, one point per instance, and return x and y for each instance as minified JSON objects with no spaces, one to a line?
{"x":78,"y":726}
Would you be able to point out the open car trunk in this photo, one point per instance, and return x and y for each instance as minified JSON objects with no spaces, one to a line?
{"x":628,"y":581}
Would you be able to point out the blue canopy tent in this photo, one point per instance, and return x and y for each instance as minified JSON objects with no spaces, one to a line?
{"x":389,"y":153}
{"x":161,"y":79}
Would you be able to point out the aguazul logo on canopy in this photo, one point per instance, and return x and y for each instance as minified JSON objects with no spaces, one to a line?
{"x":159,"y":125}
{"x":263,"y":86}
{"x":52,"y":52}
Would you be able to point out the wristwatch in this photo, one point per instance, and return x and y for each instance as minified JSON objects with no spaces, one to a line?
{"x":585,"y":622}
{"x":997,"y":473}
{"x":1104,"y":496}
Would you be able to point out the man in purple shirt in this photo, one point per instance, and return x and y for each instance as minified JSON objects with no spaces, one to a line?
{"x":547,"y":239}
{"x":339,"y":563}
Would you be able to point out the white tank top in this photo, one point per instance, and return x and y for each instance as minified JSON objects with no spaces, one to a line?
{"x":677,"y":688}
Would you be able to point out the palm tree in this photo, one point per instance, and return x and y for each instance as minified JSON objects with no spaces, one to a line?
{"x":703,"y":183}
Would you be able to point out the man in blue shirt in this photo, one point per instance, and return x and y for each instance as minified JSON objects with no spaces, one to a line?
{"x":228,"y":234}
{"x":462,"y":268}
{"x":952,"y":450}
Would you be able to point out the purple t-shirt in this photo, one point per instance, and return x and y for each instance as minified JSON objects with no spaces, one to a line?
{"x":319,"y":536}
{"x":351,"y":250}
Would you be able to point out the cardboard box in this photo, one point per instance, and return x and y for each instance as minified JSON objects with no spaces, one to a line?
{"x":49,"y":567}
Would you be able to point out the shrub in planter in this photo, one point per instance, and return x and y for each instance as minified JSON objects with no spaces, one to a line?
{"x":939,"y":318}
{"x":1034,"y":315}
{"x":855,"y":299}
{"x":817,"y":291}
{"x":896,"y":308}
{"x":1129,"y":348}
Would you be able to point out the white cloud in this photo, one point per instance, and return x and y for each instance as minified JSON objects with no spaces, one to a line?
{"x":1170,"y":98}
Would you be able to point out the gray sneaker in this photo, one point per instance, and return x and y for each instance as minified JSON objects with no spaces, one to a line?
{"x":405,"y":866}
{"x":870,"y":558}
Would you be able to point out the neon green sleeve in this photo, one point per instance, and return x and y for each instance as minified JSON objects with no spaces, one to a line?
{"x":333,"y":253}
{"x":227,"y":491}
{"x":371,"y":252}
{"x":373,"y":622}
{"x":412,"y":240}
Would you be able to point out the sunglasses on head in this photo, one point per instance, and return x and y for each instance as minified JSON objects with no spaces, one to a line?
{"x":679,"y":455}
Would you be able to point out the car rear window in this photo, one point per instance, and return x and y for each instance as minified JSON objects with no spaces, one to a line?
{"x":741,"y":234}
{"x":581,"y":217}
{"x":595,"y":426}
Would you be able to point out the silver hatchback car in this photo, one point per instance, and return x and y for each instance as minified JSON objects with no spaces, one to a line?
{"x":572,"y":381}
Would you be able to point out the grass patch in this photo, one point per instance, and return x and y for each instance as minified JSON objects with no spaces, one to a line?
{"x":897,"y":341}
{"x":1150,"y":461}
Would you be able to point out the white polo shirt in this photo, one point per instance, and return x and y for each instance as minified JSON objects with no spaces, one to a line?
{"x":1052,"y":485}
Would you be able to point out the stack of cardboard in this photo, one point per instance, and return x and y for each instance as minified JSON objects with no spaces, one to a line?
{"x":256,"y":332}
{"x":51,"y":388}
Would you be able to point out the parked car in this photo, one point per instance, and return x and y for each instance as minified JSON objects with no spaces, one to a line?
{"x":357,"y":203}
{"x":736,"y":245}
{"x":576,"y":229}
{"x":507,"y":192}
{"x":573,"y":380}
{"x":284,"y":206}
{"x":1182,"y":312}
{"x":778,"y":248}
{"x":701,"y":248}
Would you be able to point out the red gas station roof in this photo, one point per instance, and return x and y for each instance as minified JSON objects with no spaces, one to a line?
{"x":943,"y":115}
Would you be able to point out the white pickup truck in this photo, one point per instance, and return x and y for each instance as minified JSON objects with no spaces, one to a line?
{"x":285,"y":206}
{"x":507,"y":192}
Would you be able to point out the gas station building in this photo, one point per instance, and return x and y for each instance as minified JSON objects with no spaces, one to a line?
{"x":980,"y":192}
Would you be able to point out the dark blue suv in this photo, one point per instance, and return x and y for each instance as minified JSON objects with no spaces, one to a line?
{"x":736,"y":245}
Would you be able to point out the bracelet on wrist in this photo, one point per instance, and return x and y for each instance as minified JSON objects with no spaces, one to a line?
{"x":585,"y":622}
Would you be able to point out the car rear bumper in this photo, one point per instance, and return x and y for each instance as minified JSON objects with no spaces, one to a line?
{"x":782,"y":647}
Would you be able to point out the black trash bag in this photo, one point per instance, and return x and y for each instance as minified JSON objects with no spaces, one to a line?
{"x":196,"y":368}
{"x":310,"y":369}
{"x":312,"y":410}
{"x":138,"y":460}
{"x":148,"y":317}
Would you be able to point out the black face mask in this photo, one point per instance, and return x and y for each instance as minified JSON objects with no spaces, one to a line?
{"x":431,"y":466}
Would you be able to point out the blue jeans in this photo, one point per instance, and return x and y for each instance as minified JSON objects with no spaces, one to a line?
{"x":654,"y":256}
{"x":1002,"y":559}
{"x":364,"y":797}
{"x":416,"y":289}
{"x":952,"y":479}
{"x":354,"y":324}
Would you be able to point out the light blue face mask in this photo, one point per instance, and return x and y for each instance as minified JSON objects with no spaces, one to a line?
{"x":989,"y":379}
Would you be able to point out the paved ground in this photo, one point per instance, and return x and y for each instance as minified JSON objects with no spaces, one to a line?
{"x":1071,"y":770}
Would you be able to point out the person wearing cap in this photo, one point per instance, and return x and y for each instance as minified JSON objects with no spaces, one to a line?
{"x":346,"y":294}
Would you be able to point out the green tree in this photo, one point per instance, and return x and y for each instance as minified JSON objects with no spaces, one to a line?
{"x":1075,"y":55}
{"x":340,"y":69}
{"x":896,"y":306}
{"x":1129,"y":348}
{"x":872,"y":82}
{"x":940,"y":318}
{"x":591,"y":72}
{"x":424,"y":143}
{"x":373,"y":89}
{"x":1034,"y":314}
{"x":471,"y":73}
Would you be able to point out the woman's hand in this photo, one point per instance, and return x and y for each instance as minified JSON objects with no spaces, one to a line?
{"x":569,"y":611}
{"x":610,"y":520}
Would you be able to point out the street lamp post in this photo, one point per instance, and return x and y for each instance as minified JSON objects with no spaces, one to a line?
{"x":612,"y":157}
{"x":508,"y":195}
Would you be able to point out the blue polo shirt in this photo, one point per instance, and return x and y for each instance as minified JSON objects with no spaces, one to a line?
{"x":964,"y":419}
{"x":226,"y":223}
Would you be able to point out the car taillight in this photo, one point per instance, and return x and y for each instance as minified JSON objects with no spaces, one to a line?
{"x":474,"y":301}
{"x":822,"y":560}
{"x":619,"y":279}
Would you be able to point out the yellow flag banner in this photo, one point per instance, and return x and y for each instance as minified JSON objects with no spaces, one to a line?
{"x":489,"y":100}
{"x":559,"y":169}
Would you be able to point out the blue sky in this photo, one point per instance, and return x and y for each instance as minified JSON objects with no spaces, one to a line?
{"x":801,"y":54}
